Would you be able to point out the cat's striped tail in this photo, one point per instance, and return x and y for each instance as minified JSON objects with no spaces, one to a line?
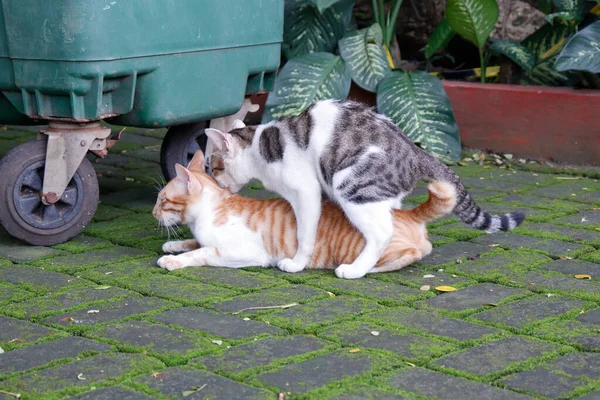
{"x":470,"y":213}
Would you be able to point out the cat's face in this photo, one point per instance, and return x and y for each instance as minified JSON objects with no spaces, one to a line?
{"x":227,"y":161}
{"x":186,"y":189}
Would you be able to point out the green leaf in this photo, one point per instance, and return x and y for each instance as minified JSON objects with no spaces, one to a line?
{"x":365,"y":56}
{"x":305,"y":80}
{"x":519,"y":54}
{"x":575,"y":7}
{"x":417,"y":102}
{"x":473,"y":19}
{"x":565,"y":16}
{"x":546,"y":43}
{"x":439,"y":38}
{"x":324,"y":4}
{"x":582,"y":52}
{"x":306,"y":30}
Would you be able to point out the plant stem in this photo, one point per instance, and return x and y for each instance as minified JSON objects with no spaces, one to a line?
{"x":391,"y":30}
{"x":382,"y":15}
{"x":376,"y":13}
{"x":482,"y":65}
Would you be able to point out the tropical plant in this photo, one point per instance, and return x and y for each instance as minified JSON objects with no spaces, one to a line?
{"x":316,"y":31}
{"x":582,"y":52}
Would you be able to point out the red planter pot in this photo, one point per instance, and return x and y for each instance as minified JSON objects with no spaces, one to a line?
{"x":559,"y":124}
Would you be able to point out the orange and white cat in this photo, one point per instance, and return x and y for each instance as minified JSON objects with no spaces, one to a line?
{"x":234,"y":231}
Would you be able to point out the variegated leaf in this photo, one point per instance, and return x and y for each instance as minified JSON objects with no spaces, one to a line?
{"x":546,"y":43}
{"x":575,"y":7}
{"x":417,"y":102}
{"x":365,"y":56}
{"x":439,"y":38}
{"x":324,"y":4}
{"x":582,"y":52}
{"x":566,"y":16}
{"x":306,"y":30}
{"x":516,"y":52}
{"x":304,"y":80}
{"x":473,"y":19}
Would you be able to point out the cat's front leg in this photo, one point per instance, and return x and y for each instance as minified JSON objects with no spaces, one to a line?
{"x":211,"y":256}
{"x":307,"y":208}
{"x":179,"y":246}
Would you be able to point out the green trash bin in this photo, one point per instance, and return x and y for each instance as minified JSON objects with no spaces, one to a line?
{"x":143,"y":63}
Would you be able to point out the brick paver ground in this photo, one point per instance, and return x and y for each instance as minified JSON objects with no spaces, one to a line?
{"x":95,"y":318}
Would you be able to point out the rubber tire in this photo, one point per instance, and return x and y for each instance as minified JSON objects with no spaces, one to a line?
{"x":175,"y":145}
{"x":12,"y":165}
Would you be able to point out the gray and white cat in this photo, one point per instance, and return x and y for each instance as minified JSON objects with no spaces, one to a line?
{"x":360,"y":159}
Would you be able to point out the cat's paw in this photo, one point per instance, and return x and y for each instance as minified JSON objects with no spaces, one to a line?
{"x":349,"y":271}
{"x":288,"y":265}
{"x":170,"y":263}
{"x":171,"y":247}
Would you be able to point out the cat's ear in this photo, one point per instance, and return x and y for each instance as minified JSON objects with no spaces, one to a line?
{"x":238,"y":124}
{"x":223,"y":141}
{"x":192,"y":183}
{"x":197,"y":162}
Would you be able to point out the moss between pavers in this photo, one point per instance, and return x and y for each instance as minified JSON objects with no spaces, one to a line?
{"x":232,"y":278}
{"x":13,"y":294}
{"x":70,"y":300}
{"x":5,"y":262}
{"x":554,"y":232}
{"x":300,"y":277}
{"x":458,"y":231}
{"x":114,"y":274}
{"x":379,"y":363}
{"x":385,"y":293}
{"x":137,"y":230}
{"x":98,"y":371}
{"x":593,"y":257}
{"x":106,"y":213}
{"x":82,"y":243}
{"x":569,"y":332}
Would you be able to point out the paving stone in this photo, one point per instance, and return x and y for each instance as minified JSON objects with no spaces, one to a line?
{"x":440,"y":386}
{"x":110,"y":311}
{"x":73,"y":298}
{"x":112,"y":393}
{"x":453,"y":251}
{"x":317,"y":372}
{"x":307,"y":316}
{"x":533,"y":309}
{"x":583,"y":334}
{"x":121,"y":161}
{"x":591,"y":396}
{"x":178,"y":289}
{"x":530,"y":178}
{"x":401,"y":343}
{"x":585,"y":219}
{"x":519,"y":200}
{"x":94,"y":369}
{"x":415,"y":276}
{"x":493,"y":184}
{"x":473,"y":297}
{"x":156,"y":339}
{"x":459,"y":231}
{"x":270,"y":297}
{"x":82,"y":243}
{"x":367,"y":393}
{"x":144,"y":141}
{"x":579,"y":188}
{"x":77,"y":262}
{"x":439,"y":240}
{"x":122,"y":272}
{"x":105,"y":212}
{"x":10,"y":293}
{"x":38,"y":279}
{"x":218,"y":324}
{"x":18,"y":331}
{"x":572,"y":267}
{"x":554,"y":248}
{"x":261,"y":353}
{"x":558,"y":284}
{"x":593,"y":316}
{"x":173,"y":382}
{"x":531,"y":214}
{"x":561,"y":232}
{"x":150,"y":154}
{"x":40,"y":354}
{"x":370,"y":288}
{"x":19,"y":252}
{"x":432,"y":323}
{"x":236,"y":278}
{"x":494,"y":357}
{"x":558,"y":377}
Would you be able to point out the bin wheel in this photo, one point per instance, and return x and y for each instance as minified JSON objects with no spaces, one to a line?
{"x":179,"y":146}
{"x":22,"y":212}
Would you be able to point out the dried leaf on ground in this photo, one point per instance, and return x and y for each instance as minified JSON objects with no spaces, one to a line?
{"x":355,"y":350}
{"x":425,"y":287}
{"x":583,"y":276}
{"x":445,"y":289}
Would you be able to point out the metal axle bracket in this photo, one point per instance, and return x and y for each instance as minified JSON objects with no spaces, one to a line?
{"x":67,"y":145}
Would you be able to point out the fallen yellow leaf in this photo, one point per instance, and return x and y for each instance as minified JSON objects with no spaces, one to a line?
{"x":583,"y":276}
{"x":356,"y":350}
{"x":445,"y":288}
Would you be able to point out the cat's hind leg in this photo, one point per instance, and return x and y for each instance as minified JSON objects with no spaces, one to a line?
{"x":374,"y":221}
{"x":405,"y":257}
{"x":210,"y":256}
{"x":179,"y":246}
